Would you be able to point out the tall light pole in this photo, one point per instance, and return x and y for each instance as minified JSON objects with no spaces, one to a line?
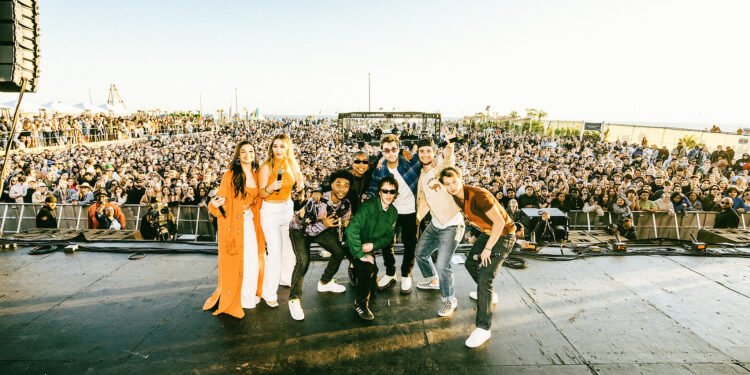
{"x":368,"y":93}
{"x":236,"y":107}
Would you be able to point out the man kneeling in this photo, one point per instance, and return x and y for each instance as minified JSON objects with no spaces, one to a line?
{"x":372,"y":228}
{"x":321,"y":221}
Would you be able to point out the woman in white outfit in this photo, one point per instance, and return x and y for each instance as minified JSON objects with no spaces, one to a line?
{"x":276,"y":178}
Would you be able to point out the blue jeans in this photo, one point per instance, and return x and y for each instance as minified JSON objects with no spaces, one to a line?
{"x":445,"y":242}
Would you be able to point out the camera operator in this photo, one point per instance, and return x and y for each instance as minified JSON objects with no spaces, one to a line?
{"x":158,"y":223}
{"x":97,"y":209}
{"x":625,"y":228}
{"x":543,"y":231}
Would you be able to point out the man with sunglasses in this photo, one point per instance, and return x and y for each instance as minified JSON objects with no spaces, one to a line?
{"x":361,"y":176}
{"x":498,"y":235}
{"x":405,"y":169}
{"x":728,"y":217}
{"x":372,"y":228}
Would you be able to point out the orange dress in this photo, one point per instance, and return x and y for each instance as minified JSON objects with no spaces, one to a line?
{"x":231,"y":246}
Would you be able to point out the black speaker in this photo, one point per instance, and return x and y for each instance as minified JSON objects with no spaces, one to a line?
{"x":19,"y":44}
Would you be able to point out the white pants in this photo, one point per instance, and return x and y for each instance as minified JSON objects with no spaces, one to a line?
{"x":280,"y":261}
{"x":250,"y":263}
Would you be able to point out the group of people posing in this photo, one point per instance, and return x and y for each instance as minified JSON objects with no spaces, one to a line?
{"x":265,"y":243}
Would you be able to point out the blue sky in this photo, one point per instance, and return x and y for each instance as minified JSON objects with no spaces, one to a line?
{"x":649,"y":61}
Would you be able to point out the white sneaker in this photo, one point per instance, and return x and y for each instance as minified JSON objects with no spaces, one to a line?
{"x":478,"y":337}
{"x":428,"y":285}
{"x":325,"y":254}
{"x":386,"y":282}
{"x":405,"y":285}
{"x":473,"y":295}
{"x":448,"y":307}
{"x":331,"y":287}
{"x":295,"y":308}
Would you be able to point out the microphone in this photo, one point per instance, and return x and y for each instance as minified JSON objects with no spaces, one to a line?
{"x":212,"y":195}
{"x":278,"y":178}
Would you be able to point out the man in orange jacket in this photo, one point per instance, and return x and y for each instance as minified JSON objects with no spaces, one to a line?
{"x":102,"y":201}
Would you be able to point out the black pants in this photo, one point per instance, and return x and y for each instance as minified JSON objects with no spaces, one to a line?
{"x":484,"y":276}
{"x":328,"y":240}
{"x":367,"y":281}
{"x":408,"y":226}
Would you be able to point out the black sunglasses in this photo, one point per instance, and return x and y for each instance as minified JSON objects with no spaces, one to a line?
{"x":387,"y":191}
{"x":725,"y":203}
{"x":360,"y":162}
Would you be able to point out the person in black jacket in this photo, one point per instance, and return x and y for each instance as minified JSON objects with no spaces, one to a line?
{"x":728,"y":217}
{"x":47,"y":217}
{"x":528,"y":200}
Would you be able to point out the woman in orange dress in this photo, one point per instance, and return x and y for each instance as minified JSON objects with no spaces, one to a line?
{"x":241,"y":242}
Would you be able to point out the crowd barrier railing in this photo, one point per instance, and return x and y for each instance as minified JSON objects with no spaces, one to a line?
{"x":71,"y":137}
{"x":193,"y":222}
{"x":653,"y":225}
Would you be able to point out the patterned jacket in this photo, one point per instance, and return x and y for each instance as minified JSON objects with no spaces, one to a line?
{"x":309,"y":218}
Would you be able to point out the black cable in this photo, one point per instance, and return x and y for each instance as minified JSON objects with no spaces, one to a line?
{"x":516,"y":263}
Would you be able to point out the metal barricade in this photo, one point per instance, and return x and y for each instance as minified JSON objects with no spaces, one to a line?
{"x":193,"y":222}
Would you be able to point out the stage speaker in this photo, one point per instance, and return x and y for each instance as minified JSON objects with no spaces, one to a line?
{"x":713,"y":236}
{"x":19,"y":44}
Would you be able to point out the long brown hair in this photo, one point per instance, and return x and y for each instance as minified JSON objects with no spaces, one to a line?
{"x":238,"y":174}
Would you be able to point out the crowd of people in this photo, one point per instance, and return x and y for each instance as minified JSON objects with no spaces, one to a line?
{"x":57,"y":129}
{"x":535,"y":171}
{"x":277,"y":186}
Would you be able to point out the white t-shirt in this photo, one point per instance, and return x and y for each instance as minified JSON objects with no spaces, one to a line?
{"x":405,"y":202}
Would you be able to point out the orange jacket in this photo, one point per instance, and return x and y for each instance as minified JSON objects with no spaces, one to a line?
{"x":231,"y":235}
{"x":94,"y":224}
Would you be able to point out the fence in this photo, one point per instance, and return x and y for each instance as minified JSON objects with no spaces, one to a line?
{"x":653,"y":225}
{"x":194,"y":222}
{"x":68,"y":137}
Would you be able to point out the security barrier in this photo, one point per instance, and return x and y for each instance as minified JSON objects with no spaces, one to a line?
{"x":195,"y":224}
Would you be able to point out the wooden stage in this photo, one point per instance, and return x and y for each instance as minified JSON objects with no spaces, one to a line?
{"x":100,"y":313}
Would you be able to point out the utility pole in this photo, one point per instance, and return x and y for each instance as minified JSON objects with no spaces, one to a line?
{"x":200,"y":104}
{"x":236,"y":106}
{"x":90,"y":101}
{"x":368,"y":93}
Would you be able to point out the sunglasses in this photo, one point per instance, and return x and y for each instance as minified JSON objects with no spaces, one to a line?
{"x":725,"y":203}
{"x":387,"y":150}
{"x":387,"y":191}
{"x":360,"y":162}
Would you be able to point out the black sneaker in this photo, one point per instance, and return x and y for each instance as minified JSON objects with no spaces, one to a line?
{"x":363,"y":313}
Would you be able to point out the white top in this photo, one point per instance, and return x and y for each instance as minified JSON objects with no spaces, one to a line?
{"x":405,"y":202}
{"x":445,"y":212}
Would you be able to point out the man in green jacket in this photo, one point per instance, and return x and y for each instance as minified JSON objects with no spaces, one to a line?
{"x":372,"y":228}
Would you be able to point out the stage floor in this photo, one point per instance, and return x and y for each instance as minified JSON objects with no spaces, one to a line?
{"x":101,"y":313}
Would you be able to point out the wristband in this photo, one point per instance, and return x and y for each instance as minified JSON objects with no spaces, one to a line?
{"x":488,"y":248}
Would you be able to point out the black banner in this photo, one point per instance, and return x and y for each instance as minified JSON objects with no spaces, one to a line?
{"x":595,"y":126}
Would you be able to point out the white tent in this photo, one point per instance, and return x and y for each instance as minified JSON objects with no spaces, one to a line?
{"x":26,"y":106}
{"x":88,"y":107}
{"x":116,"y":109}
{"x":60,"y":107}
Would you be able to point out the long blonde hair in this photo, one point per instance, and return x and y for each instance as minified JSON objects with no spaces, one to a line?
{"x":290,"y":159}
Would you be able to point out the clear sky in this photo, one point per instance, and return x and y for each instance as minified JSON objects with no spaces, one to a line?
{"x":676,"y":61}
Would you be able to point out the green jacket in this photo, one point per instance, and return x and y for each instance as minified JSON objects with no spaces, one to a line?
{"x":371,"y":225}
